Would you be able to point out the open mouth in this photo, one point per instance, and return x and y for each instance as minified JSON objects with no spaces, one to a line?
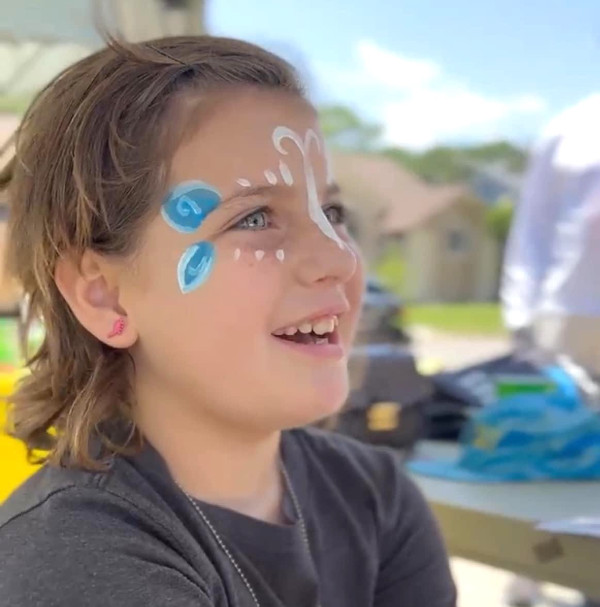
{"x":319,"y":333}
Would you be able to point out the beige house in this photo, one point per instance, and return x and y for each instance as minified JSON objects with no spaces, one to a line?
{"x":440,"y":230}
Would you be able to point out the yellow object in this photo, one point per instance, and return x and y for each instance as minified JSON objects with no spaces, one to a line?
{"x":14,"y":467}
{"x":384,"y":416}
{"x":486,"y":438}
{"x":429,"y":366}
{"x":8,"y":381}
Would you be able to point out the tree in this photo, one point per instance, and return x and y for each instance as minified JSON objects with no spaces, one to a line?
{"x":499,"y":218}
{"x":441,"y":164}
{"x":343,"y":128}
{"x":446,"y":164}
{"x":512,"y":158}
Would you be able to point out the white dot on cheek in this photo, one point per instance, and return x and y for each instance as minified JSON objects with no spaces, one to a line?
{"x":237,"y":254}
{"x":259,"y":255}
{"x":280,"y":254}
{"x":271,"y":177}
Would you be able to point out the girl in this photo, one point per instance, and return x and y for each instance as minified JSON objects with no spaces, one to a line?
{"x":174,"y":223}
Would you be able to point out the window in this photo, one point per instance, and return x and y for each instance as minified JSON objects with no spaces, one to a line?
{"x":458,"y":241}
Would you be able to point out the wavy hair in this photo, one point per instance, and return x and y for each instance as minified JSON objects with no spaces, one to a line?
{"x":91,"y":156}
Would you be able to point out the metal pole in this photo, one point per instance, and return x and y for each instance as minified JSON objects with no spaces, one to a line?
{"x":138,"y":20}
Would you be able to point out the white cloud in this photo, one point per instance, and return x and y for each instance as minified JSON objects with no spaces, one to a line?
{"x":394,"y":71}
{"x":418,"y":104}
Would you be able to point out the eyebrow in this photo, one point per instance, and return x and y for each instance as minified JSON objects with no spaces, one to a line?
{"x":333,"y":189}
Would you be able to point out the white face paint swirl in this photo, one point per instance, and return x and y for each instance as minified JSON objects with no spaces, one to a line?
{"x":315,"y":211}
{"x":244,"y":183}
{"x":286,"y":175}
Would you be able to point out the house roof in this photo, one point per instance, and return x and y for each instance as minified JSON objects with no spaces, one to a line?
{"x":401,"y":199}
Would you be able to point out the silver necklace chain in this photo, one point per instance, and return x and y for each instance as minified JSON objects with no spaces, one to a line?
{"x":222,"y":544}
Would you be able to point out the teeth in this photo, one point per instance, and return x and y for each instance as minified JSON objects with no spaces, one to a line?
{"x":324,"y":326}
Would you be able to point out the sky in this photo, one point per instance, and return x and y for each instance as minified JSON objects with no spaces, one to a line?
{"x":431,"y":71}
{"x":427,"y":71}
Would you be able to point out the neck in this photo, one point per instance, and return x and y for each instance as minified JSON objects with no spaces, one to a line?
{"x":216,"y":462}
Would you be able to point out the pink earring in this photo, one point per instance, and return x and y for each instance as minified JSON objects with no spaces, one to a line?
{"x":118,"y":327}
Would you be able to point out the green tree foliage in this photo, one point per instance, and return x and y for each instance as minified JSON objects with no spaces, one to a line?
{"x":15,"y":104}
{"x":390,"y":269}
{"x":344,"y":128}
{"x":445,"y":164}
{"x":513,"y":159}
{"x":499,"y":218}
{"x":438,"y":165}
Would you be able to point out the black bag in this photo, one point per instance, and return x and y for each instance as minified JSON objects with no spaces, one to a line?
{"x":458,"y":393}
{"x":386,"y":397}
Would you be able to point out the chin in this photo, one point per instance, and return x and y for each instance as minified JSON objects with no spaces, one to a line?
{"x":324,"y":400}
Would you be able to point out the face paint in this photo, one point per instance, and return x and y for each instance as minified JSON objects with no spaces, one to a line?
{"x":315,"y":210}
{"x":280,"y":254}
{"x":259,"y":255}
{"x":237,"y":254}
{"x":195,"y":265}
{"x":188,"y":204}
{"x":244,"y":183}
{"x":185,"y":208}
{"x":286,"y":174}
{"x":271,"y":177}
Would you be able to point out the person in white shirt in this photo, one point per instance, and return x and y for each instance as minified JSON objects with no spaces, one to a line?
{"x":550,"y":288}
{"x":551,"y":278}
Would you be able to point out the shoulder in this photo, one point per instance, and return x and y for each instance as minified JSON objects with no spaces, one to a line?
{"x":47,"y":485}
{"x":58,"y":502}
{"x":65,"y":523}
{"x":55,"y":489}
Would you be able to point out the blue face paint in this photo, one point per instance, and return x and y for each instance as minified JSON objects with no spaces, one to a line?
{"x":184,"y":209}
{"x":195,"y":266}
{"x":188,"y":204}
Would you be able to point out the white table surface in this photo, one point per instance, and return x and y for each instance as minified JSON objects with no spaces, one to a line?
{"x":540,"y":501}
{"x":494,"y":523}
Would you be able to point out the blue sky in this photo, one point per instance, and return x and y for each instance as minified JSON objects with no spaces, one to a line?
{"x":431,"y":70}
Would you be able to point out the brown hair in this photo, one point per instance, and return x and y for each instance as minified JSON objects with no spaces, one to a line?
{"x":90,"y":160}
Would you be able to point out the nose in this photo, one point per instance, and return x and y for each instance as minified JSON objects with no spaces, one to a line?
{"x":321,"y":260}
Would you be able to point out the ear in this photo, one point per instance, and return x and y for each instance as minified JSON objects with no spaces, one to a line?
{"x":91,"y":290}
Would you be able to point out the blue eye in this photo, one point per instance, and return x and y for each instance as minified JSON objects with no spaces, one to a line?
{"x":335,"y":213}
{"x":257,"y":220}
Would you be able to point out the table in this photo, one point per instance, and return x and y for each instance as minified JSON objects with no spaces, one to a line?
{"x":495,"y":524}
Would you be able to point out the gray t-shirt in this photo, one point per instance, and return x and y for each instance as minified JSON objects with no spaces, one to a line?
{"x":129,"y":537}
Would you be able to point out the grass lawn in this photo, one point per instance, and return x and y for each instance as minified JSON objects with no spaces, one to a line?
{"x":475,"y":319}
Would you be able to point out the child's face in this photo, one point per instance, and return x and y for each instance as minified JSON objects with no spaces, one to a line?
{"x":254,"y":250}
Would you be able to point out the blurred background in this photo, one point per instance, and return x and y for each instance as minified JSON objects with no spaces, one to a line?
{"x":430,"y":109}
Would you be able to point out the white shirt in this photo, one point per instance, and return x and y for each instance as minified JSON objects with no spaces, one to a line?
{"x":552,"y":262}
